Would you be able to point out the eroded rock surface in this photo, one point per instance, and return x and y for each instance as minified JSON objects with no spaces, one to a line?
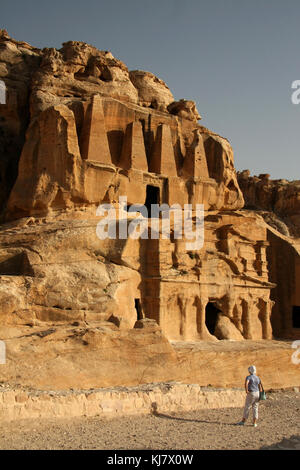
{"x":85,"y":132}
{"x":279,"y":200}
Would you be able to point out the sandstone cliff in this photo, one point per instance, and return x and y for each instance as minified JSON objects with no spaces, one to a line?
{"x":79,"y":129}
{"x":52,"y":95}
{"x":277,"y":200}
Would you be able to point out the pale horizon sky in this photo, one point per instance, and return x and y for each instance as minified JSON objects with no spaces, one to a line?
{"x":236,"y":59}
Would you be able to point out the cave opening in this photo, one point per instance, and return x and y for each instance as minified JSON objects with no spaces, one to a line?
{"x":211,"y":316}
{"x":138,"y":308}
{"x":296,"y":316}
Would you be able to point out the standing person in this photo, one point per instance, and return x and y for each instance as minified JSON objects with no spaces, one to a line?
{"x":253,"y":387}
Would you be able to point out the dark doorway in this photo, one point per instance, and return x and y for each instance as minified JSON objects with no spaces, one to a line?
{"x":152,"y":197}
{"x":138,"y":307}
{"x":211,"y":316}
{"x":296,"y":316}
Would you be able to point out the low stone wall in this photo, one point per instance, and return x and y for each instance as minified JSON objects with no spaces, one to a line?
{"x":115,"y":402}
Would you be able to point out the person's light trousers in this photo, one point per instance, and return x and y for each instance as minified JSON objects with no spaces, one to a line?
{"x":252,"y":400}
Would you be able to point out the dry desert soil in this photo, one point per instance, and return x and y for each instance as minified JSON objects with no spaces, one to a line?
{"x":279,"y":422}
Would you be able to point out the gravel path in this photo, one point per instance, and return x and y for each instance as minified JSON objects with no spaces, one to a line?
{"x":279,"y":418}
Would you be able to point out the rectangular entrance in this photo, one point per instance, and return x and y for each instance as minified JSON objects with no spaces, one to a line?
{"x":152,"y":197}
{"x":296,"y":316}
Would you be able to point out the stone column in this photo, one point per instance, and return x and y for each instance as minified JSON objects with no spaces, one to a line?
{"x":237,"y":316}
{"x":246,"y":319}
{"x":201,"y":304}
{"x":182,"y":302}
{"x":230,"y":304}
{"x":266,"y":319}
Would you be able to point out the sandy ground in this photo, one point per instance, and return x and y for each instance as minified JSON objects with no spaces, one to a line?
{"x":279,"y":418}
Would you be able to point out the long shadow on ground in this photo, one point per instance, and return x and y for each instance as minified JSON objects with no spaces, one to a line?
{"x":155,"y":412}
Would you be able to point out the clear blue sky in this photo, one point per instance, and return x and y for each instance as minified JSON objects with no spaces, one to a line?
{"x":236,"y":58}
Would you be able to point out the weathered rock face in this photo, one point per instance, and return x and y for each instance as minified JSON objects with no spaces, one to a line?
{"x":278,"y":202}
{"x":185,"y":109}
{"x":284,"y":268}
{"x":76,"y":72}
{"x":95,"y":87}
{"x":18,"y":60}
{"x":100,"y":355}
{"x":279,"y":198}
{"x":108,"y":137}
{"x":99,"y":134}
{"x":152,"y":92}
{"x":60,"y":271}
